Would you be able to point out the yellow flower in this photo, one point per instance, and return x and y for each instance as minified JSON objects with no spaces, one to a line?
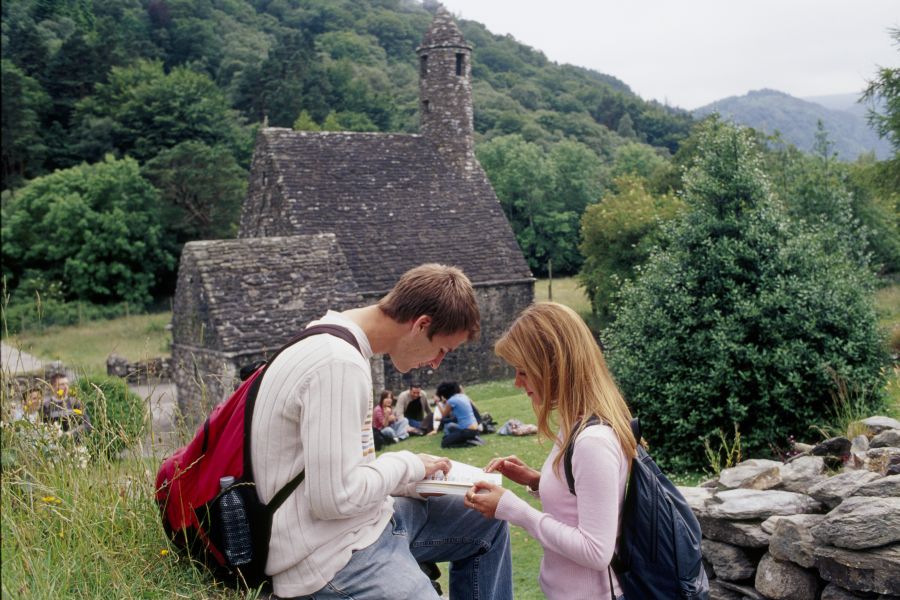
{"x":59,"y":393}
{"x":163,"y":552}
{"x":49,"y":499}
{"x":77,"y":411}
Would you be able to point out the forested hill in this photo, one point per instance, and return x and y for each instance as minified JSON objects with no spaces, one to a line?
{"x":769,"y":111}
{"x":85,"y":78}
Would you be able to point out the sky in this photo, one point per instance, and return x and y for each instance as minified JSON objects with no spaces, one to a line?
{"x":689,"y":53}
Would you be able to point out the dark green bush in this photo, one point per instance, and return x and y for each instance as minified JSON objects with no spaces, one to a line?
{"x":118,"y":415}
{"x":741,"y":317}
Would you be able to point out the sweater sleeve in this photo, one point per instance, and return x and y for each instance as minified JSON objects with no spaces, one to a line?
{"x":596,"y":465}
{"x":341,"y":479}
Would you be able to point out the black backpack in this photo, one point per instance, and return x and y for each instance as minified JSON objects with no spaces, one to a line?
{"x":658,"y":549}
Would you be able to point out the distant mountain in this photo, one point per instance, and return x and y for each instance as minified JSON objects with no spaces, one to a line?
{"x":845,"y":102}
{"x":770,"y":111}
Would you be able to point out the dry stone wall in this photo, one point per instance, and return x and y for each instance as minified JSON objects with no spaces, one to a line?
{"x":824,"y":525}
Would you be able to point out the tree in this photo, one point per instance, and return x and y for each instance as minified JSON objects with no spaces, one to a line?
{"x":520,"y":177}
{"x":24,"y":103}
{"x":201,"y":189}
{"x":617,"y":236}
{"x":741,"y":316}
{"x":886,"y":86}
{"x":94,"y":228}
{"x":148,"y":111}
{"x":304,"y":122}
{"x":626,"y":127}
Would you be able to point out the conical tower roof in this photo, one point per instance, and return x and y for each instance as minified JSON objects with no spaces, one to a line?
{"x":443,"y":32}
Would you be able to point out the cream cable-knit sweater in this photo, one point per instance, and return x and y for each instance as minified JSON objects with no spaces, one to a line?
{"x":314,"y":412}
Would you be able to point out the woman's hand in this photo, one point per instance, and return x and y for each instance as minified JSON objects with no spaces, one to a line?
{"x":484,"y":497}
{"x":433,"y":464}
{"x":515,"y":469}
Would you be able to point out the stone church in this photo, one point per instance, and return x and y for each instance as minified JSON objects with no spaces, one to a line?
{"x":332,"y":219}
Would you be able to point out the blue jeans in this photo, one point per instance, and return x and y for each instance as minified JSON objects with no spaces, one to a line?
{"x":437,"y":530}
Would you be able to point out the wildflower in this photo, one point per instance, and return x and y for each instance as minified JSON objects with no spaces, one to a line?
{"x":59,"y":393}
{"x":77,"y":411}
{"x":163,"y":552}
{"x":51,"y":500}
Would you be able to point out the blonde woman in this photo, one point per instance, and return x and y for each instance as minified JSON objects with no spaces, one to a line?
{"x":561,"y":368}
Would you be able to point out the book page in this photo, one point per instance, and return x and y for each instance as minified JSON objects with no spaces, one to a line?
{"x":457,"y":481}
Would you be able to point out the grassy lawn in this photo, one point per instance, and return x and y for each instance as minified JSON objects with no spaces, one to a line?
{"x":565,"y":291}
{"x":94,"y":532}
{"x":85,"y":347}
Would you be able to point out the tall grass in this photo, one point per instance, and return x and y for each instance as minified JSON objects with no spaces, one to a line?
{"x":78,"y":522}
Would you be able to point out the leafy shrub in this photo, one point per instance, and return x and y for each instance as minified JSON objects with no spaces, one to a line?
{"x":95,"y":228}
{"x":617,"y":235}
{"x":118,"y":415}
{"x":741,"y":317}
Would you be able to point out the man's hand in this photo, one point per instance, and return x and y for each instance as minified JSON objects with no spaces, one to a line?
{"x":484,"y":497}
{"x":515,"y":469}
{"x":433,"y":464}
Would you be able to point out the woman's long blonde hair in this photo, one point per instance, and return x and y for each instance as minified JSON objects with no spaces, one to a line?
{"x":552,"y":345}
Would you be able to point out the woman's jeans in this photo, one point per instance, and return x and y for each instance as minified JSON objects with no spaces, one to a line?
{"x":436,"y":530}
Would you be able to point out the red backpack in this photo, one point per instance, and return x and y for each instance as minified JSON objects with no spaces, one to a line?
{"x":188,"y":483}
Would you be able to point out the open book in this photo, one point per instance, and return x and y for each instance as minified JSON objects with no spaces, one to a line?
{"x":457,"y":481}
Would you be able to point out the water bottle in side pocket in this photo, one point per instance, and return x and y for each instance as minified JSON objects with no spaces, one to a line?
{"x":235,"y":526}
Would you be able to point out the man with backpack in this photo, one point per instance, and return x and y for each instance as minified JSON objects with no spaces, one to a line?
{"x":355,"y":517}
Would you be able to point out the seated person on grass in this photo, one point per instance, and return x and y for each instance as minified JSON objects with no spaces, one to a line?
{"x":413,"y":404}
{"x":457,"y":416}
{"x":65,"y":408}
{"x":385,"y":420}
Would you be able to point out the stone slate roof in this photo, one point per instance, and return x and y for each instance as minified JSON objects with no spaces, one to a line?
{"x":390,"y":199}
{"x":443,"y":32}
{"x":244,"y":295}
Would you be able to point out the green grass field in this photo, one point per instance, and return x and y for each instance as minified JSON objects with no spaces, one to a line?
{"x":70,"y":530}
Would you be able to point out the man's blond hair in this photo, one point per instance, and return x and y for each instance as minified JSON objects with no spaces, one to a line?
{"x":443,"y":293}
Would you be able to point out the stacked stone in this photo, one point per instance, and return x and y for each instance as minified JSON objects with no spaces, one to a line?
{"x":152,"y":370}
{"x":798,"y":530}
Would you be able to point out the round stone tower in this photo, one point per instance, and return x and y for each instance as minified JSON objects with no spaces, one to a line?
{"x":445,"y":90}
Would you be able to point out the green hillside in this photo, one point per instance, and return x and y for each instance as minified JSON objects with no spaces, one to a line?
{"x":771,"y":111}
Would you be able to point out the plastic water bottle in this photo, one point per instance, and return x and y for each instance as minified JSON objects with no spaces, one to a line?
{"x":236,"y":529}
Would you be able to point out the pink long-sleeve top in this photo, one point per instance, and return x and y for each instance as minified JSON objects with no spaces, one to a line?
{"x":578,"y":532}
{"x":378,"y":418}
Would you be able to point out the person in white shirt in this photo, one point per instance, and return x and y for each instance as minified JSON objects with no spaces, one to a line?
{"x":356,"y":516}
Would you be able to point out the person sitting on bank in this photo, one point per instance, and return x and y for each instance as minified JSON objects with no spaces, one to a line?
{"x":413,"y":404}
{"x":457,"y":416}
{"x":65,"y":408}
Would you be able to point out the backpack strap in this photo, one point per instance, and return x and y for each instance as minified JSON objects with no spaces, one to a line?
{"x":570,"y":449}
{"x":282,"y":494}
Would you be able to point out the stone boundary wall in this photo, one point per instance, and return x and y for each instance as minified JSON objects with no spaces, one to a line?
{"x":824,"y":525}
{"x":152,"y":370}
